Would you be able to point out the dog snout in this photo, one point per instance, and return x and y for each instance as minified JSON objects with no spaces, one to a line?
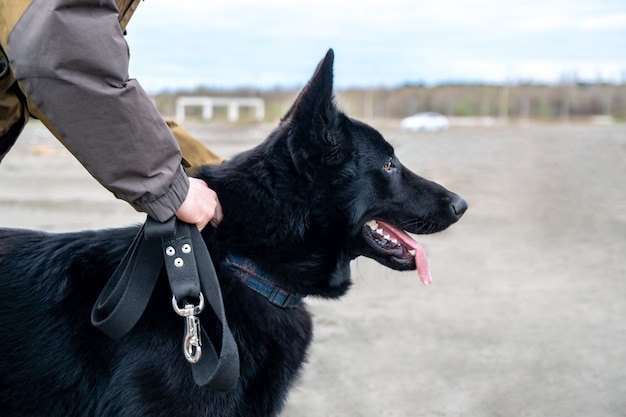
{"x":458,"y":206}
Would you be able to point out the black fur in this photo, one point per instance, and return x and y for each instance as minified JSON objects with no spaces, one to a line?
{"x":296,"y":205}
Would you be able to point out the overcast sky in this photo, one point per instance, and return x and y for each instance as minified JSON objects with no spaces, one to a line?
{"x":232,"y":43}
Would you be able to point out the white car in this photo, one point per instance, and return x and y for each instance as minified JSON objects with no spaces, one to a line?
{"x":425,"y":122}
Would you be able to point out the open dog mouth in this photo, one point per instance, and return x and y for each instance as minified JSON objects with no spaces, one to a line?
{"x":391,"y":242}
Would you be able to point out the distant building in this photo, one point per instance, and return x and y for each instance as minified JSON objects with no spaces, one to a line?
{"x":232,"y":104}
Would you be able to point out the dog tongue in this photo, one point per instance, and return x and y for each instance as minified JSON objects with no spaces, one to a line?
{"x":420,"y":255}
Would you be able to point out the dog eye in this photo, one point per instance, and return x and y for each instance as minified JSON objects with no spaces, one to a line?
{"x":388,"y":166}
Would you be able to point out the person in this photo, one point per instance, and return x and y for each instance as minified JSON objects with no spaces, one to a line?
{"x":65,"y":62}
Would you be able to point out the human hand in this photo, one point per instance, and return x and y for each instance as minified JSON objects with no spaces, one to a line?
{"x":201,"y":205}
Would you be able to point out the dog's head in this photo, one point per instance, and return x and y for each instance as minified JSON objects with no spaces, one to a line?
{"x":322,"y":190}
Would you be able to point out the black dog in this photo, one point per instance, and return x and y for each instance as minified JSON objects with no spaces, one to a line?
{"x":322,"y":190}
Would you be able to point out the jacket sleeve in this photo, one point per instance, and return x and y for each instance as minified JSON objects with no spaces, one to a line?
{"x":71,"y":59}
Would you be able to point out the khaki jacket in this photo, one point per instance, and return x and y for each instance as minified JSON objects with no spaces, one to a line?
{"x":68,"y":67}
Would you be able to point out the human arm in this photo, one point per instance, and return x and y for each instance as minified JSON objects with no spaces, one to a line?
{"x":71,"y":59}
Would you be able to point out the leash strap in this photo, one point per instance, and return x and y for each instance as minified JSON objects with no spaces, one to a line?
{"x":191,"y":276}
{"x":123,"y":300}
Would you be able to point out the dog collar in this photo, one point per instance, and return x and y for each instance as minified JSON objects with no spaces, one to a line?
{"x":257,"y":280}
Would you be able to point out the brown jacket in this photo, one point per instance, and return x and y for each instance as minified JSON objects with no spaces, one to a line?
{"x":68,"y":67}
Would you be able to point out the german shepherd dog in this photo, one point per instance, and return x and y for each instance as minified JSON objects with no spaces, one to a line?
{"x":320,"y":191}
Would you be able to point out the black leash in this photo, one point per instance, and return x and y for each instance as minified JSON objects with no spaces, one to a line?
{"x":191,"y":276}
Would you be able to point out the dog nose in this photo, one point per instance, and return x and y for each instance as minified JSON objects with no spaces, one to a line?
{"x":458,"y":206}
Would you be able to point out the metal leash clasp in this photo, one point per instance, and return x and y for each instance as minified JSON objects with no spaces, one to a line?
{"x":192,"y":345}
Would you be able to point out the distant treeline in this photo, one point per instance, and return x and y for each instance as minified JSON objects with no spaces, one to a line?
{"x":524,"y":101}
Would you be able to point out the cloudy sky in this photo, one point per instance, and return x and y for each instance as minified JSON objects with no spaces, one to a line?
{"x":253,"y":43}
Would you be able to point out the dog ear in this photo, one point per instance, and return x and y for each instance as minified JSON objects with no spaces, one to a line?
{"x":315,"y":135}
{"x":318,"y":89}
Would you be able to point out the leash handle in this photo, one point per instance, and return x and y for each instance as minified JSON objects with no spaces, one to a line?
{"x":125,"y":296}
{"x":191,"y":274}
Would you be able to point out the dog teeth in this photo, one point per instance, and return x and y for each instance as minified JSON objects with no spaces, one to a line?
{"x":412,"y":252}
{"x":372,"y":224}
